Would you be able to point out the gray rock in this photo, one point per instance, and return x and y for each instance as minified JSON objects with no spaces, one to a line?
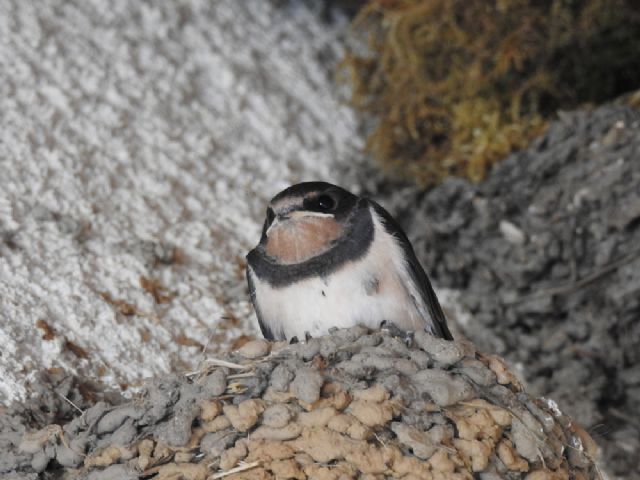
{"x":92,"y":415}
{"x":442,"y":351}
{"x":374,"y":361}
{"x":477,"y":372}
{"x":307,"y":384}
{"x":176,"y":431}
{"x":524,"y":440}
{"x":281,"y":378}
{"x":39,"y":461}
{"x":125,"y":434}
{"x":276,"y":416}
{"x":444,"y":389}
{"x":307,"y":350}
{"x":67,"y":457}
{"x":215,"y":383}
{"x":217,"y":442}
{"x":421,"y":359}
{"x":417,"y":440}
{"x":160,"y":396}
{"x":116,"y":417}
{"x":114,"y":472}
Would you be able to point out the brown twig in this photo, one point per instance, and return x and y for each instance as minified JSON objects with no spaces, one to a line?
{"x":240,"y":468}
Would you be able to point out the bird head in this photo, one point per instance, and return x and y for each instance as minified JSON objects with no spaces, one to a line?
{"x":305,"y":221}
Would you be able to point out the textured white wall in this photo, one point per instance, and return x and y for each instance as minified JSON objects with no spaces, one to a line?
{"x":127,"y":128}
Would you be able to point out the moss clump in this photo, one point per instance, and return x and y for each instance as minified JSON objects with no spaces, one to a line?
{"x":455,"y":85}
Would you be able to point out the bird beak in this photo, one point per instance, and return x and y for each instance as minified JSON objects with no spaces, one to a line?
{"x":293,"y":215}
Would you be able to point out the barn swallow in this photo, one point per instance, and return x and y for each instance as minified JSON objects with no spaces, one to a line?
{"x":328,"y":258}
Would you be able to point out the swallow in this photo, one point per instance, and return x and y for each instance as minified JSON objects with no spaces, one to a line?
{"x":328,"y":258}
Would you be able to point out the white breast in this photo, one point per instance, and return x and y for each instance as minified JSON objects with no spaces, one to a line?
{"x":348,"y":296}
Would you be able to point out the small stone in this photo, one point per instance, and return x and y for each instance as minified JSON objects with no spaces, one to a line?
{"x":512,"y":233}
{"x":307,"y":350}
{"x":281,"y":378}
{"x":419,"y":441}
{"x":215,"y":443}
{"x":66,"y":457}
{"x":443,"y":388}
{"x":125,"y":434}
{"x":116,"y":417}
{"x":35,"y":441}
{"x":176,"y":431}
{"x":328,"y":346}
{"x":421,"y":359}
{"x":545,"y":419}
{"x":524,"y":440}
{"x":288,"y":432}
{"x":377,"y":362}
{"x":39,"y":461}
{"x":350,"y":334}
{"x":405,"y":367}
{"x":444,"y":352}
{"x":215,"y":384}
{"x":307,"y":384}
{"x":277,"y":416}
{"x":94,"y":413}
{"x":477,"y":372}
{"x":372,"y":340}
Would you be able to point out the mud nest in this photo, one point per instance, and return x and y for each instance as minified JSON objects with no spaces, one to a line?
{"x":354,"y":404}
{"x":454,"y":86}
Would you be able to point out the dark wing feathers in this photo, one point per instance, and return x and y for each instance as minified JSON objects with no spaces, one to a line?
{"x":266,"y":331}
{"x":418,"y":274}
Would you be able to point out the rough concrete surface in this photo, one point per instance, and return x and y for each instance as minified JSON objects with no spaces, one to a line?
{"x":355,"y":404}
{"x":139,"y":142}
{"x":546,"y":253}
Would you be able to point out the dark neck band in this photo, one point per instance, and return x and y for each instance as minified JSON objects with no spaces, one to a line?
{"x":351,"y":246}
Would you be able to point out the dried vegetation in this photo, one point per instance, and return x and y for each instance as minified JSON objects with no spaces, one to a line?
{"x":455,"y":86}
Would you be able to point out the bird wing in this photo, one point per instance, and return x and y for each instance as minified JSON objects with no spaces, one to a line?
{"x":264,"y":328}
{"x":418,"y":275}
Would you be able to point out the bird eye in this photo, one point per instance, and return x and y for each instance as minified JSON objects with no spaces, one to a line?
{"x":325,"y":202}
